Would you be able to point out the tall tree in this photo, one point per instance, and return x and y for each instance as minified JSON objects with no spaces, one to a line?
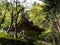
{"x":19,"y":8}
{"x":4,"y":8}
{"x":52,"y":10}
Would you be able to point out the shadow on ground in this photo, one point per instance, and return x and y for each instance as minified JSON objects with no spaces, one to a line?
{"x":4,"y":41}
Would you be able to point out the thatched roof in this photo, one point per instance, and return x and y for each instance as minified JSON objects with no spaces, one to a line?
{"x":24,"y":24}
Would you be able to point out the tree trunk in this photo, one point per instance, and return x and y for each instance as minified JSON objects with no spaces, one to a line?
{"x":15,"y":34}
{"x":0,"y":25}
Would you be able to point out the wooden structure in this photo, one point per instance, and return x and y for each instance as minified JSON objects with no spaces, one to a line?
{"x":24,"y":25}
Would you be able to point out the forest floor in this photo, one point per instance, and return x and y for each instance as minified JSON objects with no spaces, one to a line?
{"x":6,"y":39}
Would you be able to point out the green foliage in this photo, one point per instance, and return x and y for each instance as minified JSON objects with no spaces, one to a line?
{"x":36,"y":14}
{"x":37,"y":43}
{"x":6,"y":9}
{"x":41,"y":15}
{"x":2,"y":34}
